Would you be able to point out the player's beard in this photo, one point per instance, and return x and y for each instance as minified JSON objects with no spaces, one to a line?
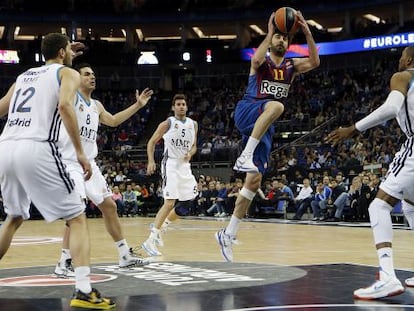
{"x":278,"y":50}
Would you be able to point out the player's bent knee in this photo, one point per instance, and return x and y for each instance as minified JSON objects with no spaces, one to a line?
{"x":377,"y":210}
{"x":182,"y":208}
{"x":408,"y":210}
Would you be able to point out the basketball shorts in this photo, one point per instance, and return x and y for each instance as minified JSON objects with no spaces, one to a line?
{"x":95,"y":189}
{"x":34,"y":171}
{"x":179,"y":182}
{"x":400,"y":176}
{"x":246,"y":114}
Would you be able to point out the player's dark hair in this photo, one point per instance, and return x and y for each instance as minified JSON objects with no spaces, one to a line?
{"x":179,"y":96}
{"x":79,"y":66}
{"x":52,"y":43}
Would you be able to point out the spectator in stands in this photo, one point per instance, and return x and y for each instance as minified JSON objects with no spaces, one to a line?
{"x":206,"y":151}
{"x":117,"y":196}
{"x":120,"y":177}
{"x":303,"y":199}
{"x":320,"y":201}
{"x":337,"y":201}
{"x":360,"y":197}
{"x":201,"y":200}
{"x":130,"y":201}
{"x":220,"y":202}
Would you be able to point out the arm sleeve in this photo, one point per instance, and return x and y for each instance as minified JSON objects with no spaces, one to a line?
{"x":388,"y":110}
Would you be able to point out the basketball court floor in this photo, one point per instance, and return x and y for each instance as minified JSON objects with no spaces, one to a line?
{"x":279,"y":265}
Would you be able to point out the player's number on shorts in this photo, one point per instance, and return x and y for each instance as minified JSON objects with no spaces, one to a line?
{"x":21,"y":100}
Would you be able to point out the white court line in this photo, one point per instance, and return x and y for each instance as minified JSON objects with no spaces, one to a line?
{"x":365,"y":305}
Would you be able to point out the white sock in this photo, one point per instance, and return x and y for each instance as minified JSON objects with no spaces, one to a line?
{"x":122,"y":247}
{"x":154,"y":233}
{"x":65,"y":255}
{"x":233,"y":226}
{"x":166,"y":224}
{"x":386,"y":260}
{"x":251,"y":145}
{"x":82,"y":279}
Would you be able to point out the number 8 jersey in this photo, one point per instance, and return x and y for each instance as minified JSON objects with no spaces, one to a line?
{"x":33,"y":112}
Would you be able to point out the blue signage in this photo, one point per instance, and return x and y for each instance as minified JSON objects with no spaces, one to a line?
{"x":347,"y":46}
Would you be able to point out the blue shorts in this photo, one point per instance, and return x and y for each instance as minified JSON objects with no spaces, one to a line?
{"x":245,"y":116}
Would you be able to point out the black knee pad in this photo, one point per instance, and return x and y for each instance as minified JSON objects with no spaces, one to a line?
{"x":182,"y":208}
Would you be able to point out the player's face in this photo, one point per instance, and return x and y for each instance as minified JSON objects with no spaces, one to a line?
{"x":279,"y":44}
{"x":180,"y":108}
{"x":88,"y":79}
{"x":405,"y":60}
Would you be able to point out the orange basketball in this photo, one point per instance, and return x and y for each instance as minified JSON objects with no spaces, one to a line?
{"x":286,"y":20}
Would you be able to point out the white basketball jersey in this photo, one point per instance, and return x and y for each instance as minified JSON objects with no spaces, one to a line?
{"x":88,"y":121}
{"x":33,"y":112}
{"x":179,"y":138}
{"x":405,"y":116}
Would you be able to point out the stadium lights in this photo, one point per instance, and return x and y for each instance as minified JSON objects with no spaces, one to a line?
{"x":201,"y":35}
{"x":374,"y":18}
{"x":21,"y":37}
{"x":335,"y":29}
{"x":140,"y":34}
{"x":257,"y":29}
{"x":199,"y":32}
{"x":314,"y":24}
{"x":163,"y":38}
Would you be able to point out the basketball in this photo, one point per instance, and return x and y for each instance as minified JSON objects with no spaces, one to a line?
{"x":286,"y":20}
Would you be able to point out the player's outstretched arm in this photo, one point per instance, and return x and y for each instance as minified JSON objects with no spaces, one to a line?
{"x":115,"y":120}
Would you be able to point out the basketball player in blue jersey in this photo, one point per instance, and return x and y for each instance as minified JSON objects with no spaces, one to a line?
{"x":179,"y":133}
{"x":90,"y":112}
{"x":263,"y":103}
{"x":31,"y":167}
{"x":399,"y":181}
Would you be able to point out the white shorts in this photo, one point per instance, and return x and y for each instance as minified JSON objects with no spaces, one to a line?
{"x":399,"y":182}
{"x":95,"y":189}
{"x":34,"y":171}
{"x":178,"y":181}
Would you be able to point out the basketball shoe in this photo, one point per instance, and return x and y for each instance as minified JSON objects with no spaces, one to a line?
{"x":409,"y":282}
{"x":65,"y":269}
{"x":226,"y":244}
{"x":156,"y":234}
{"x":150,"y":248}
{"x":244,"y":163}
{"x":93,"y":300}
{"x":384,"y":286}
{"x":132,"y":260}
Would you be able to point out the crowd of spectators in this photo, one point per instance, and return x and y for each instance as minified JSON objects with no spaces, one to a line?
{"x":342,"y":95}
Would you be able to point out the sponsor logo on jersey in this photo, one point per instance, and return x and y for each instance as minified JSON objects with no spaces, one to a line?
{"x":277,"y":89}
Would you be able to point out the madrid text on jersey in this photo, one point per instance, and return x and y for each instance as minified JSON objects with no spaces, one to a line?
{"x":22,"y":122}
{"x":181,"y":143}
{"x":88,"y":133}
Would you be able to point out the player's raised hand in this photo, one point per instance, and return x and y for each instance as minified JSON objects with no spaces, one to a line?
{"x":340,"y":134}
{"x":144,"y":97}
{"x":271,"y":24}
{"x":77,"y":48}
